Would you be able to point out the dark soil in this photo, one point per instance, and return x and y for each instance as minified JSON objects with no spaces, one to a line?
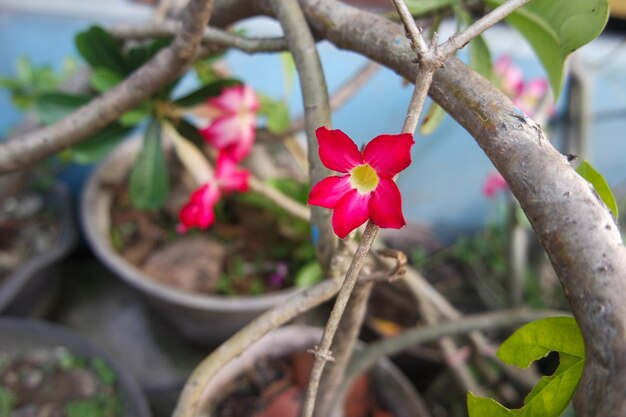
{"x":275,"y":388}
{"x":56,"y":383}
{"x":27,"y":228}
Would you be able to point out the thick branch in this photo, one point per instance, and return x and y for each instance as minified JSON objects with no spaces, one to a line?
{"x":168,"y":64}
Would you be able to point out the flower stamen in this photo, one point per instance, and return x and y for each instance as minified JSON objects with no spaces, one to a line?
{"x":364,"y":178}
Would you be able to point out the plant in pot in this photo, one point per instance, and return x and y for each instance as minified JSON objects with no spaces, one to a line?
{"x":37,"y":224}
{"x":179,"y":217}
{"x":47,"y":369}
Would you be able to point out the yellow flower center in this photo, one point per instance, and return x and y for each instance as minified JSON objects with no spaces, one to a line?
{"x":364,"y":179}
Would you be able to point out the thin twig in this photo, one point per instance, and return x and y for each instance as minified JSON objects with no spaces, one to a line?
{"x":322,"y":351}
{"x":483,"y":321}
{"x":211,"y":35}
{"x":169,"y":63}
{"x":285,"y":202}
{"x":190,"y":402}
{"x":458,"y":41}
{"x":413,"y":31}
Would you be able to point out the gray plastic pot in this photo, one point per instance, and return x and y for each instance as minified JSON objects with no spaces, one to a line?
{"x":201,"y":318}
{"x":31,"y":289}
{"x":19,"y":335}
{"x":391,"y":384}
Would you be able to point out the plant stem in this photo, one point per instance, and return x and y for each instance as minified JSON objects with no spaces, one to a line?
{"x":190,"y":402}
{"x":482,"y":321}
{"x":459,"y":40}
{"x":210,"y":35}
{"x":322,"y":351}
{"x":287,"y":203}
{"x":316,"y":110}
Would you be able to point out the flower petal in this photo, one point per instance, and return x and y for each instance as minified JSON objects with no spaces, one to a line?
{"x":329,"y":191}
{"x":385,"y":205}
{"x":389,"y":154}
{"x":198,"y":212}
{"x":351,"y":211}
{"x":337,"y":151}
{"x":229,"y":176}
{"x":231,"y":99}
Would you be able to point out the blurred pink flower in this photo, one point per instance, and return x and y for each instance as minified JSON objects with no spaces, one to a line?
{"x":525,"y":95}
{"x":198,"y":212}
{"x":510,"y":77}
{"x":494,"y":183}
{"x":229,"y":176}
{"x":232,"y":132}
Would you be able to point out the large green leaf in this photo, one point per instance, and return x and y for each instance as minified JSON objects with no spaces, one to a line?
{"x":52,"y":107}
{"x":536,"y":340}
{"x":210,"y":90}
{"x":149,"y":179}
{"x":98,"y":146}
{"x":556,"y":28}
{"x":599,"y":183}
{"x":101,"y":50}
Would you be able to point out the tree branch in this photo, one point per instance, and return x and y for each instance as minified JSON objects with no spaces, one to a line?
{"x":190,"y":403}
{"x":483,"y":321}
{"x":211,"y":35}
{"x":171,"y":62}
{"x":290,"y":205}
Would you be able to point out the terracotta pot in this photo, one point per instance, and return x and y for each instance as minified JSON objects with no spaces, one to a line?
{"x":391,"y":384}
{"x":201,"y":318}
{"x":19,"y":335}
{"x":31,"y":289}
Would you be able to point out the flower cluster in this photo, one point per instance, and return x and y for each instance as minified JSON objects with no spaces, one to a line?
{"x":231,"y":133}
{"x":526,"y":95}
{"x":367,"y":190}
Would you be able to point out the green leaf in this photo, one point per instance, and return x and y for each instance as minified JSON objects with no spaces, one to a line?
{"x":99,"y":145}
{"x":25,"y":70}
{"x":101,"y":50}
{"x":422,"y":7}
{"x":480,"y":57}
{"x":149,"y":179}
{"x":210,"y":90}
{"x":552,"y":394}
{"x":277,"y":113}
{"x":599,"y":183}
{"x":189,"y":131}
{"x":289,"y":70}
{"x":556,"y":28}
{"x":433,"y":118}
{"x":139,"y":55}
{"x":485,"y":407}
{"x":52,"y":107}
{"x":103,"y":79}
{"x":310,"y":274}
{"x":135,"y":116}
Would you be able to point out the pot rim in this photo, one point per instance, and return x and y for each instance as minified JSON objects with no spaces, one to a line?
{"x":94,"y":208}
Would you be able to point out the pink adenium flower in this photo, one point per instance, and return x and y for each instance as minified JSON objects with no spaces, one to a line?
{"x":199,"y":210}
{"x":232,"y":131}
{"x":510,"y":77}
{"x":368,"y":190}
{"x":493,"y":184}
{"x":229,"y":176}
